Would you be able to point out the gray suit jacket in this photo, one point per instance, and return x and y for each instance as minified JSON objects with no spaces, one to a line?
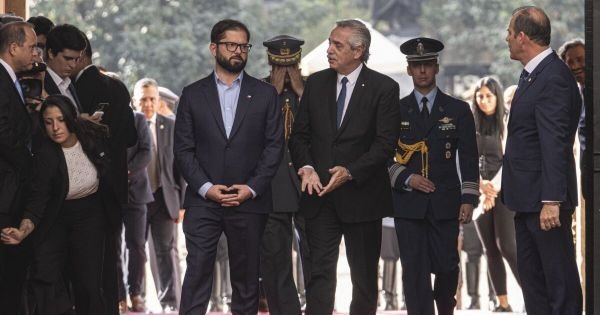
{"x":138,"y":157}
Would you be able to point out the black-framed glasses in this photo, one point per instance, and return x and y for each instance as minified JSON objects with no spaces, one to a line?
{"x":232,"y":47}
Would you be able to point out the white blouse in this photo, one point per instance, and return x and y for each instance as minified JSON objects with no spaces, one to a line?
{"x":83,"y":177}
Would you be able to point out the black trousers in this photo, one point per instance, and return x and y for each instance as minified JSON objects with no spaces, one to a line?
{"x":135,"y":223}
{"x":202,"y":228}
{"x":13,"y":267}
{"x":496,"y":229}
{"x":162,"y":229}
{"x":363,"y":243}
{"x":73,"y":247}
{"x":276,"y":265}
{"x":547,"y":266}
{"x":429,"y":246}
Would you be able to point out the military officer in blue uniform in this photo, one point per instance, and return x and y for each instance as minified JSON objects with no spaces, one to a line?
{"x":283,"y":297}
{"x":435,"y":182}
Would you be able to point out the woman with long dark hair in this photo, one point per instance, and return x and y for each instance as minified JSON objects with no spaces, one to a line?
{"x":495,"y":225}
{"x":69,"y":211}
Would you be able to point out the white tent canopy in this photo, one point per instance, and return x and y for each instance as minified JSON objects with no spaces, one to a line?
{"x":385,"y":58}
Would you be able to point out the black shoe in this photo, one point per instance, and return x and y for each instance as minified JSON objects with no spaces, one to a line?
{"x":474,"y":304}
{"x":502,"y":309}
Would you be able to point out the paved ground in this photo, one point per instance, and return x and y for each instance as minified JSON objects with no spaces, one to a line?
{"x":344,"y":290}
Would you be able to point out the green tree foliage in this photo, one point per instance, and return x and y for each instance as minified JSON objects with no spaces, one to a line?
{"x":474,"y":31}
{"x":168,"y":39}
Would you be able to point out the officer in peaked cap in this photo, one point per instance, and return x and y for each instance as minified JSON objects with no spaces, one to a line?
{"x":421,"y":49}
{"x":431,"y":194}
{"x":284,"y":50}
{"x":283,"y":53}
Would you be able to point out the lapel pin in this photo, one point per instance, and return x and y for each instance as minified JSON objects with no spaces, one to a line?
{"x":162,"y":126}
{"x":249,"y":96}
{"x":101,"y":154}
{"x":362,"y":85}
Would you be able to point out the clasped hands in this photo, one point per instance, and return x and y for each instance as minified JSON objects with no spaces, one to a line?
{"x":231,"y":196}
{"x":312,"y":183}
{"x":489,"y":194}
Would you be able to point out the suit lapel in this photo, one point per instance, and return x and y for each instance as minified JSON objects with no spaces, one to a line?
{"x":415,"y":114}
{"x":330,"y":92}
{"x":16,"y":93}
{"x":437,"y":110}
{"x":355,"y":98}
{"x":540,"y":67}
{"x":214,"y":104}
{"x":244,"y":100}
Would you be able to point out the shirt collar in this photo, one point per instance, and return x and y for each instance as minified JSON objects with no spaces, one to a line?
{"x":352,"y":77}
{"x":57,"y":79}
{"x":9,"y":69}
{"x":237,"y":80}
{"x":82,"y":71}
{"x":153,"y":119}
{"x":533,"y":63}
{"x":430,"y":96}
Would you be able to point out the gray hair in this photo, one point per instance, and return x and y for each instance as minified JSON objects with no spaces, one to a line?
{"x":360,"y":36}
{"x":562,"y":51}
{"x":144,"y":83}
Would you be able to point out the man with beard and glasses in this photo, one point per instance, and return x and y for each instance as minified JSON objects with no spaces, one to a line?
{"x":228,"y":145}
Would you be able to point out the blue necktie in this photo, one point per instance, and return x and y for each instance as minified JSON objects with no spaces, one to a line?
{"x":340,"y":102}
{"x":19,"y":89}
{"x":523,"y":78}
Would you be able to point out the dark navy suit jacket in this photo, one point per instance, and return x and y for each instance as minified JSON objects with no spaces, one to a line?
{"x":250,"y":155}
{"x":449,"y":131}
{"x":538,"y":161}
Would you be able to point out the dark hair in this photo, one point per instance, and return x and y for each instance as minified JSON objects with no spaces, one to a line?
{"x":42,"y":25}
{"x":534,"y":22}
{"x":218,"y":31}
{"x":13,"y":32}
{"x":562,"y":51}
{"x":88,"y":47}
{"x":65,"y":36}
{"x":360,"y":36}
{"x":90,"y":134}
{"x":489,"y":125}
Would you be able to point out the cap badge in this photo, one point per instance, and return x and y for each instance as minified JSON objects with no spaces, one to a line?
{"x":284,"y":51}
{"x":420,"y":49}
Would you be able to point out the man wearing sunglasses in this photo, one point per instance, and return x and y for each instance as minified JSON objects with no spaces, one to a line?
{"x":228,"y":145}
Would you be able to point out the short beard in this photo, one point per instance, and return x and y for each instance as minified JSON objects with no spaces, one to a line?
{"x":228,"y":66}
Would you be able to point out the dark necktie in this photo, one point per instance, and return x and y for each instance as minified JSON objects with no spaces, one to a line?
{"x":340,"y":102}
{"x":425,"y":109}
{"x":523,"y":78}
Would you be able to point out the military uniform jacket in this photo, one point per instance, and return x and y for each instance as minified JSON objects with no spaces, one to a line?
{"x":449,"y":132}
{"x":285,"y":184}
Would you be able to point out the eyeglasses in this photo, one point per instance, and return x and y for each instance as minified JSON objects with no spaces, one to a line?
{"x":232,"y":47}
{"x":38,"y":51}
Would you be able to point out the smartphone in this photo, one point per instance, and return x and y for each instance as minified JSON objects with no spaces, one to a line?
{"x":97,"y":115}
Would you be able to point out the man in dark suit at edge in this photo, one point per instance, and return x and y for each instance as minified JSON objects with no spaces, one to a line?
{"x":344,"y":134}
{"x":228,"y":145}
{"x":17,"y":50}
{"x":539,"y":167}
{"x":435,"y":181}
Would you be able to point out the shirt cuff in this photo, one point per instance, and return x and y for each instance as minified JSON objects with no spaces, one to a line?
{"x":204,"y":189}
{"x":308,"y":166}
{"x":406,"y":186}
{"x":253,"y":192}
